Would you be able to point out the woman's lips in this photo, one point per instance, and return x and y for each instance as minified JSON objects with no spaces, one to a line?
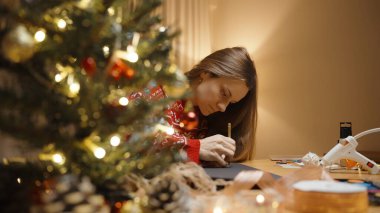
{"x":208,"y":109}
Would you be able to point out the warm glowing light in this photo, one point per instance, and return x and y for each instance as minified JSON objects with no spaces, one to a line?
{"x":58,"y":77}
{"x":169,"y":130}
{"x":129,"y":55}
{"x":40,"y":35}
{"x":118,"y":205}
{"x":217,"y":209}
{"x":99,"y":152}
{"x":74,"y":88}
{"x":162,"y":29}
{"x":191,"y":114}
{"x":49,"y":168}
{"x":260,"y":199}
{"x":58,"y":159}
{"x":123,"y":101}
{"x":65,"y":69}
{"x":115,"y":140}
{"x":5,"y":161}
{"x":19,"y":180}
{"x":275,"y":204}
{"x":157,"y":67}
{"x":147,"y":63}
{"x":84,"y":4}
{"x":106,"y":50}
{"x":111,"y":11}
{"x":135,"y":40}
{"x":61,"y":24}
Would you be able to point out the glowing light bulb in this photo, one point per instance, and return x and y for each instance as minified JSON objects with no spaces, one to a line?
{"x":217,"y":209}
{"x":132,"y":57}
{"x":61,"y":24}
{"x":123,"y":101}
{"x":275,"y":204}
{"x":40,"y":35}
{"x":162,"y":29}
{"x":19,"y":180}
{"x":260,"y":199}
{"x":111,"y":11}
{"x":115,"y":140}
{"x":129,"y":55}
{"x":99,"y":152}
{"x":84,"y":4}
{"x":74,"y":87}
{"x":58,"y":77}
{"x":58,"y":159}
{"x":170,"y":130}
{"x":191,"y":114}
{"x":106,"y":50}
{"x":158,"y":67}
{"x":147,"y":63}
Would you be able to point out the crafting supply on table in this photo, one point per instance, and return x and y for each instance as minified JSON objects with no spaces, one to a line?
{"x":229,"y":130}
{"x":229,"y":135}
{"x":329,"y":196}
{"x":372,"y":189}
{"x":346,"y":149}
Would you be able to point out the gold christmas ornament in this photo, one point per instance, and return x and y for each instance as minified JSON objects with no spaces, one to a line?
{"x":18,"y":45}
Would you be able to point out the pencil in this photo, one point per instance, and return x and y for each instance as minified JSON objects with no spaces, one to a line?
{"x":229,"y":135}
{"x":229,"y":130}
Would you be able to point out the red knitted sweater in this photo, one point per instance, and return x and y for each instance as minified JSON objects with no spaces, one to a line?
{"x":188,"y":139}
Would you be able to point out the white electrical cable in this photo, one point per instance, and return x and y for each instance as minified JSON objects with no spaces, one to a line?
{"x":366,"y":133}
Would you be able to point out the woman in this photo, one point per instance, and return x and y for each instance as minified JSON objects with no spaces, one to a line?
{"x":224,"y":88}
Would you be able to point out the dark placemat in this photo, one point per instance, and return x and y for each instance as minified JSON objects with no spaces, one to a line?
{"x":229,"y":173}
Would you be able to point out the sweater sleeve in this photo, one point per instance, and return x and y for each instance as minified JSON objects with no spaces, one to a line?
{"x":192,"y":149}
{"x":173,"y":117}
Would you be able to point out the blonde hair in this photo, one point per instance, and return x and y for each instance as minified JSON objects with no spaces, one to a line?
{"x":233,"y":63}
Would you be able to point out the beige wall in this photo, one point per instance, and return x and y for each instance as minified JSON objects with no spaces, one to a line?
{"x":318,"y":63}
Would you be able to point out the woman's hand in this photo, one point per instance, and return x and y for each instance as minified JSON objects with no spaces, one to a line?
{"x":217,"y":148}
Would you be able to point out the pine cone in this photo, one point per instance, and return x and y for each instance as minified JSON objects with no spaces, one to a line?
{"x":167,"y":194}
{"x":71,"y":195}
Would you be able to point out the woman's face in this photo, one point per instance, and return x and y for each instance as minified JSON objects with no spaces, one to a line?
{"x":213,"y":94}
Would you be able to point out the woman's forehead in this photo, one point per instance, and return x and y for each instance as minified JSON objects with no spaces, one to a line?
{"x":236,"y":87}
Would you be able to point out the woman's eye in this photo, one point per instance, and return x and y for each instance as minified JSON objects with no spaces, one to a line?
{"x":223,"y":93}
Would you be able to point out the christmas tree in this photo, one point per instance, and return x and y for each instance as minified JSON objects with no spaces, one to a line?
{"x":67,"y":71}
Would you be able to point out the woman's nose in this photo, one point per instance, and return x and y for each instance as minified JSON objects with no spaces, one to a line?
{"x":222,"y":106}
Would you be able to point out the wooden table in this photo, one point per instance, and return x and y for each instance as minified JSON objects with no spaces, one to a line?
{"x":271,"y":166}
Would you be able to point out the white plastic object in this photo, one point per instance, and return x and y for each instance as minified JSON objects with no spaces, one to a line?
{"x":346,"y":148}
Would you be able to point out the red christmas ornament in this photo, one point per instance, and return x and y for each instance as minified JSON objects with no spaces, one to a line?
{"x":116,"y":208}
{"x":119,"y":69}
{"x":40,"y":187}
{"x":89,"y":65}
{"x":116,"y":69}
{"x":189,"y":120}
{"x":129,"y":73}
